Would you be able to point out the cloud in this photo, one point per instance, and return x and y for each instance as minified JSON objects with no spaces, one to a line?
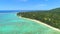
{"x":24,"y":0}
{"x":46,"y":0}
{"x":42,"y":5}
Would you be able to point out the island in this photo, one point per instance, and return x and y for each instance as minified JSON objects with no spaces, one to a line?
{"x":50,"y":17}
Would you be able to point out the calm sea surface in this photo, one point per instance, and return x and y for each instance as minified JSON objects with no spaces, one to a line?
{"x":10,"y":23}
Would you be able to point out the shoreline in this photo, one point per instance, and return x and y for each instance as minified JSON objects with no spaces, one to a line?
{"x":39,"y":22}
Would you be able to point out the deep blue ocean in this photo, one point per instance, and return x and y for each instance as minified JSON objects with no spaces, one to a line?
{"x":9,"y":11}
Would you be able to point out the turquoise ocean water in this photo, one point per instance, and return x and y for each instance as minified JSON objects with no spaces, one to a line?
{"x":10,"y":23}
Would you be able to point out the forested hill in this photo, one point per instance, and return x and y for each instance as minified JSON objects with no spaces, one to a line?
{"x":55,"y":10}
{"x":50,"y":17}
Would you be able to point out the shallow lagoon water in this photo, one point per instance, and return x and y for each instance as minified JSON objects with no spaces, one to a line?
{"x":10,"y":23}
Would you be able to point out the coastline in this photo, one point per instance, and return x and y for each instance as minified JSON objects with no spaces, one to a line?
{"x":39,"y":22}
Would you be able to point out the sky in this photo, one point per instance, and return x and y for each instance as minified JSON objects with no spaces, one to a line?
{"x":29,"y":4}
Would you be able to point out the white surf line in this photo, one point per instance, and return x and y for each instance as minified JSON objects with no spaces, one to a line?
{"x":42,"y":23}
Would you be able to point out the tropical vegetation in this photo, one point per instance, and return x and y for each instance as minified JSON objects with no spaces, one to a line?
{"x":50,"y":17}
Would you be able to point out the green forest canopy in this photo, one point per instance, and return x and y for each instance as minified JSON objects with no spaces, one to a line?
{"x":50,"y":17}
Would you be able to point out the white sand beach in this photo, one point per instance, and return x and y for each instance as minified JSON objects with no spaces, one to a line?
{"x":42,"y":23}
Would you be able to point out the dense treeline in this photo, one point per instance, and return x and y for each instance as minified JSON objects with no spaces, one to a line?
{"x":51,"y":17}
